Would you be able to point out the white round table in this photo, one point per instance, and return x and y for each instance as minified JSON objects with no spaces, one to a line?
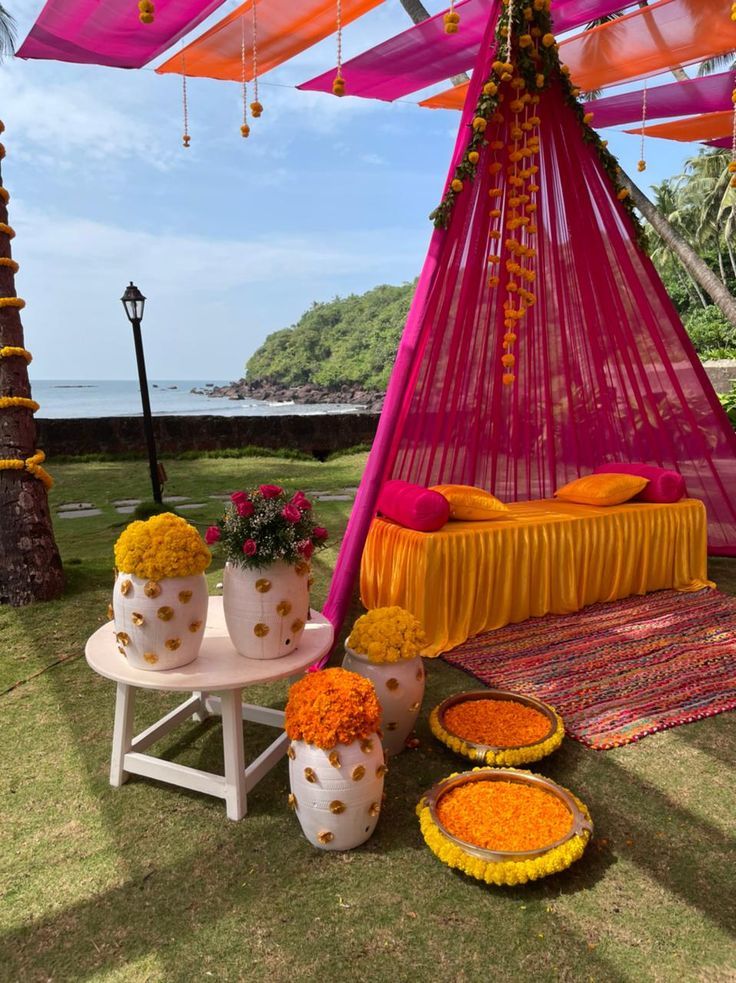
{"x":216,"y":680}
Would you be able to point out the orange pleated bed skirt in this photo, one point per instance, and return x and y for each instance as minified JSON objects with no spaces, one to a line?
{"x":548,"y":557}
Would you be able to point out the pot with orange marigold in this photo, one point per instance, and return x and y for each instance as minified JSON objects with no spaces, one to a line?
{"x":336,"y":762}
{"x":160,"y":594}
{"x":385,"y":646}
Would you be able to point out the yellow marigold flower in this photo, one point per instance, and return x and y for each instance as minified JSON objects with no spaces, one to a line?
{"x":479,"y":124}
{"x":490,"y":89}
{"x":164,"y":546}
{"x":473,"y":156}
{"x":641,"y":166}
{"x":526,"y":41}
{"x":732,"y":167}
{"x":548,"y":40}
{"x":588,"y":118}
{"x":623,"y":194}
{"x":540,"y":80}
{"x":457,"y":185}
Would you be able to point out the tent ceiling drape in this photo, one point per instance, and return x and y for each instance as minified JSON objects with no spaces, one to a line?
{"x":284,"y":30}
{"x":89,"y":32}
{"x":424,"y":55}
{"x":646,"y":42}
{"x":709,"y":94}
{"x":710,"y":126}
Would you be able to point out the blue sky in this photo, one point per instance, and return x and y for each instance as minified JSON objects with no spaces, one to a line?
{"x":231,"y":239}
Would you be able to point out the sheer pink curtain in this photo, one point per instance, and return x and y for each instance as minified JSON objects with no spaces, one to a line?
{"x":605,"y":371}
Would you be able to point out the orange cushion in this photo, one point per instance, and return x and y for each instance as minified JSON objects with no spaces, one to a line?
{"x":602,"y":489}
{"x":468,"y":503}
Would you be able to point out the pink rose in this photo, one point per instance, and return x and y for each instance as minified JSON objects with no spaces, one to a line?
{"x":250,"y":547}
{"x":305,"y":548}
{"x":212,"y":535}
{"x":270,"y":491}
{"x":291,"y":513}
{"x":319,"y":533}
{"x":301,"y":501}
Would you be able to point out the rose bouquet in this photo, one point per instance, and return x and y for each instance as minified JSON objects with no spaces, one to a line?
{"x":265,"y":525}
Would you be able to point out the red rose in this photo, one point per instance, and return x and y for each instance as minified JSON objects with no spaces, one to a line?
{"x":291,"y":513}
{"x":212,"y":535}
{"x":237,"y":497}
{"x":270,"y":491}
{"x":250,"y":547}
{"x":319,"y":533}
{"x":245,"y":509}
{"x":305,"y":548}
{"x":301,"y":501}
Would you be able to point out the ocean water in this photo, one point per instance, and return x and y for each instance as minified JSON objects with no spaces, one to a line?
{"x":70,"y":399}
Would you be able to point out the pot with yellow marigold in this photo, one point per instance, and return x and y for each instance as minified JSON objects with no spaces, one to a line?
{"x":385,"y":646}
{"x":160,"y":594}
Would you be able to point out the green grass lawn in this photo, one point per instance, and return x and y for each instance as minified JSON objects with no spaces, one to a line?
{"x":151,"y":883}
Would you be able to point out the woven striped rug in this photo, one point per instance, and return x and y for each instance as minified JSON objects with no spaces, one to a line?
{"x":620,"y":671}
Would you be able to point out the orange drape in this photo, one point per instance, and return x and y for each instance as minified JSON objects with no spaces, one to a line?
{"x":709,"y":126}
{"x":285,"y":28}
{"x":548,"y":557}
{"x":645,"y":42}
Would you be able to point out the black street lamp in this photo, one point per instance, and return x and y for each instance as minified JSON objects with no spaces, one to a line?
{"x":134,"y":302}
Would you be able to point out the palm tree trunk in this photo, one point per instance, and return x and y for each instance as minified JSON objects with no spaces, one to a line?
{"x":731,"y":257}
{"x":418,"y":12}
{"x":695,"y":266}
{"x":30,"y":565}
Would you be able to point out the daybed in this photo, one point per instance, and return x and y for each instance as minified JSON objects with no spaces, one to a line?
{"x":548,"y":557}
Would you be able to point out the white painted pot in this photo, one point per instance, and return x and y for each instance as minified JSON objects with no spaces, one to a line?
{"x":337,"y":794}
{"x":400,"y":691}
{"x":159,"y":624}
{"x":266,"y":609}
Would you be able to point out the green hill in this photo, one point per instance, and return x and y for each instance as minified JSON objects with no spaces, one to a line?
{"x":348,"y":341}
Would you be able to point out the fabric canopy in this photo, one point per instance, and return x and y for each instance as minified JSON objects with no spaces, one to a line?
{"x":646,"y":42}
{"x":604,"y":369}
{"x":284,"y":29}
{"x":424,"y":55}
{"x":89,"y":32}
{"x":699,"y":95}
{"x":710,"y":126}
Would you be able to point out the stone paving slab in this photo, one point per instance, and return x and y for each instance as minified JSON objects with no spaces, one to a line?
{"x":74,"y":506}
{"x":190,"y":506}
{"x":78,"y":513}
{"x":127,"y":501}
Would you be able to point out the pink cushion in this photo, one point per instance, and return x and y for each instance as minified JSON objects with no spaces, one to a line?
{"x":413,"y":506}
{"x":664,"y":485}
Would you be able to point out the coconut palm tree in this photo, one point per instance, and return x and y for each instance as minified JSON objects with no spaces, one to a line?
{"x":30,"y":565}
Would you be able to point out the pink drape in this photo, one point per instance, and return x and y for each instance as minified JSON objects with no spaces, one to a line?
{"x":605,"y":371}
{"x":91,"y":32}
{"x":424,"y":55}
{"x":709,"y":94}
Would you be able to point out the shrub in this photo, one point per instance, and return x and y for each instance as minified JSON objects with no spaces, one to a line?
{"x":711,"y":334}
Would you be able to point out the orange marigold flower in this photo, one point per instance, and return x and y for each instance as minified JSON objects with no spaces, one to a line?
{"x":332,"y":707}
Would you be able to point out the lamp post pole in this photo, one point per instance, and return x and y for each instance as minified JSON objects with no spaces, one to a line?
{"x":133,"y":302}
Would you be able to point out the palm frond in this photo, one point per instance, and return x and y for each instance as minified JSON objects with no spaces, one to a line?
{"x":7,"y":33}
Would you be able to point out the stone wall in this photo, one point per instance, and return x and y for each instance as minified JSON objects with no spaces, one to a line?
{"x":320,"y":435}
{"x":721,"y":374}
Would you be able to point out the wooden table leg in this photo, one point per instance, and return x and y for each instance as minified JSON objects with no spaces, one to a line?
{"x":232,"y":744}
{"x":122,"y":734}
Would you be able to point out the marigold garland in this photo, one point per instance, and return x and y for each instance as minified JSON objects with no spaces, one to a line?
{"x":502,"y":758}
{"x":18,"y":402}
{"x":387,"y":635}
{"x":163,"y":546}
{"x":330,"y":707}
{"x":506,"y":872}
{"x":32,"y":465}
{"x":7,"y":261}
{"x":17,"y":302}
{"x":8,"y":230}
{"x":4,"y":194}
{"x":11,"y":351}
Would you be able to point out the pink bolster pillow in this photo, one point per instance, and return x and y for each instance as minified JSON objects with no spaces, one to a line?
{"x":664,"y":486}
{"x":413,"y":506}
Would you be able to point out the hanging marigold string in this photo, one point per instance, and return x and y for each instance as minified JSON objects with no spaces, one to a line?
{"x":15,"y":351}
{"x":18,"y":403}
{"x":451,"y":19}
{"x":244,"y":128}
{"x":186,"y":139}
{"x":255,"y":107}
{"x":338,"y":83}
{"x":642,"y":165}
{"x":146,"y":11}
{"x":9,"y":263}
{"x":16,"y":302}
{"x":8,"y":230}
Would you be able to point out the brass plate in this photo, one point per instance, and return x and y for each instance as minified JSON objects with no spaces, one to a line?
{"x":580,"y":823}
{"x":497,"y":694}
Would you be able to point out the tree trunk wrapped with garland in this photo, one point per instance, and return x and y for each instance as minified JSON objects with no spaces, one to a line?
{"x":30,"y":565}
